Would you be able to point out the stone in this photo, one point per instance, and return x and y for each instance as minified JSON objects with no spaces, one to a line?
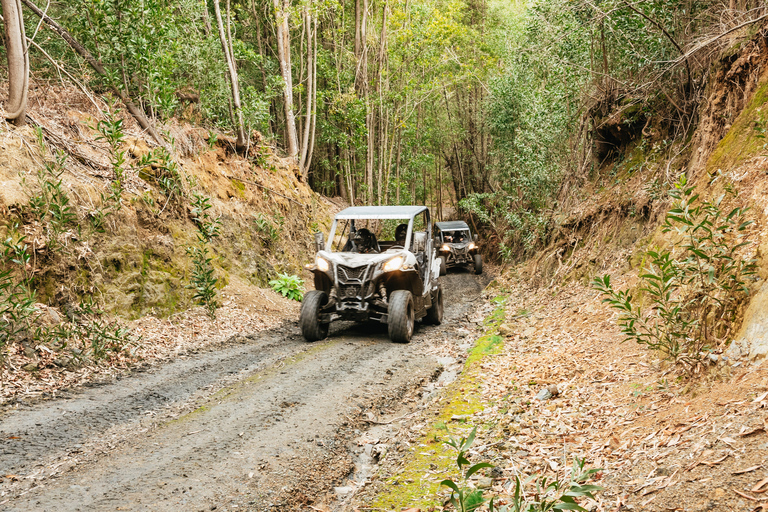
{"x":506,"y":329}
{"x":544,"y":394}
{"x":484,"y":482}
{"x":752,"y":339}
{"x":552,"y":388}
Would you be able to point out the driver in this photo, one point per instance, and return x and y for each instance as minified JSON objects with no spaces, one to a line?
{"x":365,"y":241}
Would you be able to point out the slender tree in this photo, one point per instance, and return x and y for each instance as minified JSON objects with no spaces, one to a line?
{"x":284,"y":56}
{"x":18,"y":61}
{"x":226,"y":46}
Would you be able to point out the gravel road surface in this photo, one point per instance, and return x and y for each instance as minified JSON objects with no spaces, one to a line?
{"x":262,"y":422}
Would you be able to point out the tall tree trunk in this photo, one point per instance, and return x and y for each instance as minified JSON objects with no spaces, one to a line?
{"x":303,"y":163}
{"x":18,"y":62}
{"x":226,"y":46}
{"x":314,"y":101}
{"x":284,"y":56}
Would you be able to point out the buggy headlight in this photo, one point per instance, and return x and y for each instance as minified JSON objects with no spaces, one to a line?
{"x":445,"y":247}
{"x":323,"y":265}
{"x":471,"y":246}
{"x":393,"y":264}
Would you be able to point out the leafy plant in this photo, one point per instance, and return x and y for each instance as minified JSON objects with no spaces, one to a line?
{"x":213,"y":138}
{"x":52,"y":206}
{"x":203,"y":281}
{"x":289,"y":286}
{"x":167,"y":173}
{"x":87,"y":334}
{"x":695,"y":297}
{"x":553,"y":494}
{"x":267,"y":230}
{"x":208,"y":226}
{"x":112,"y":132}
{"x":549,"y":494}
{"x":17,"y":310}
{"x":464,"y":498}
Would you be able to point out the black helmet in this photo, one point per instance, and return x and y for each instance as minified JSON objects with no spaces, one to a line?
{"x":400,"y":232}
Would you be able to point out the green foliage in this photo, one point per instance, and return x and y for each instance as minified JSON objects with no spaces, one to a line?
{"x":87,"y":334}
{"x":51,"y":206}
{"x":290,"y":286}
{"x":203,"y":281}
{"x":167,"y":173}
{"x":695,"y":296}
{"x":17,"y":310}
{"x":208,"y":226}
{"x":549,"y":494}
{"x":268,"y":233}
{"x":464,"y":498}
{"x":553,"y":494}
{"x":112,"y":132}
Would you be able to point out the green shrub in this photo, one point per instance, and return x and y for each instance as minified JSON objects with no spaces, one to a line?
{"x":288,"y":286}
{"x":549,"y":495}
{"x":695,"y":296}
{"x":208,"y":226}
{"x":51,"y":206}
{"x":203,"y":281}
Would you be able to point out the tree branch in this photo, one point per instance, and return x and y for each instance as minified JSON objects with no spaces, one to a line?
{"x":137,"y":113}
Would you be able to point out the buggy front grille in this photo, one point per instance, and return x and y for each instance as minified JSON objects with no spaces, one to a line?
{"x":351,"y":274}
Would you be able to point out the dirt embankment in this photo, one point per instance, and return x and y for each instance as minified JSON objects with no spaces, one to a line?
{"x":131,"y":259}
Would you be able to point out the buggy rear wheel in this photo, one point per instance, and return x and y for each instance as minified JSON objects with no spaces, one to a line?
{"x":435,"y":313}
{"x":478,"y":263}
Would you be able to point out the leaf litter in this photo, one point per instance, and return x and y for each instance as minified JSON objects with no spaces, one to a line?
{"x":663,"y":443}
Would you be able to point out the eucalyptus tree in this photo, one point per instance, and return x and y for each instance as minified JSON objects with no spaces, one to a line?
{"x":229,"y":55}
{"x":18,"y":61}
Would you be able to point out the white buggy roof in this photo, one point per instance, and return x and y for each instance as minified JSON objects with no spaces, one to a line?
{"x":380,"y":212}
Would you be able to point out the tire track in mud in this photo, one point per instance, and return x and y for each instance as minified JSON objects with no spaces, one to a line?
{"x":262,"y":423}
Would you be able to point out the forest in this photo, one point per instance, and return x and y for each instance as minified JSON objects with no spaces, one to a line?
{"x":500,"y":109}
{"x":167,"y":167}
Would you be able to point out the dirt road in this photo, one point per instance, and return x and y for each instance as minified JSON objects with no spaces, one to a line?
{"x":261,"y":423}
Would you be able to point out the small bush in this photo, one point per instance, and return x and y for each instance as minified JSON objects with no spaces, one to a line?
{"x":288,"y":286}
{"x":695,"y":297}
{"x":203,"y":281}
{"x":557,"y":494}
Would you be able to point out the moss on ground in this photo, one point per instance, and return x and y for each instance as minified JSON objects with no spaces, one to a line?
{"x":430,"y":461}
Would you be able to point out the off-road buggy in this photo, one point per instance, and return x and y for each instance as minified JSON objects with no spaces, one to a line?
{"x":378,"y":264}
{"x":457,"y":247}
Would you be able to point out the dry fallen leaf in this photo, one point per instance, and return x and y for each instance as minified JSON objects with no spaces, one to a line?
{"x":747,"y":470}
{"x":761,"y":486}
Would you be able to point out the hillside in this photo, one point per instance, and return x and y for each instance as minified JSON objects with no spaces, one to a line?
{"x":120,"y":254}
{"x":134,"y":265}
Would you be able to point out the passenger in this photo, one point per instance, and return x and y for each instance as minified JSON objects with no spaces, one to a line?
{"x":400,"y":233}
